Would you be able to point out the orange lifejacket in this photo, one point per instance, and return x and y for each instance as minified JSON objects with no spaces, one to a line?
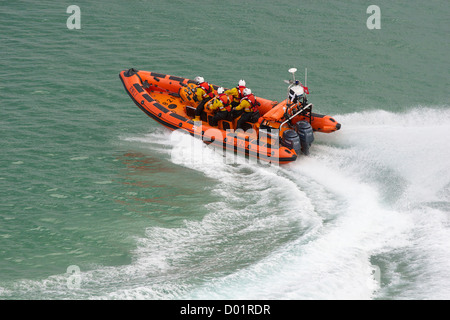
{"x":226,"y":106}
{"x":240,"y":90}
{"x":207,"y":88}
{"x":253,"y":103}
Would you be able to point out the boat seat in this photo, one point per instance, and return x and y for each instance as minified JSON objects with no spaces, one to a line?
{"x":225,"y":125}
{"x":222,"y":124}
{"x":190,"y":111}
{"x":250,"y":125}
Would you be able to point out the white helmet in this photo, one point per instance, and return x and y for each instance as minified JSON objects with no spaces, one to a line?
{"x":199,"y":79}
{"x":220,"y":90}
{"x":241,"y":83}
{"x":247,"y":91}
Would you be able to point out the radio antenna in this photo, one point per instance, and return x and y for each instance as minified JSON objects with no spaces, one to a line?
{"x":306,"y":77}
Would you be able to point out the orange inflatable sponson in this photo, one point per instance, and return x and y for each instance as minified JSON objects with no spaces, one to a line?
{"x":319,"y":122}
{"x":167,"y":100}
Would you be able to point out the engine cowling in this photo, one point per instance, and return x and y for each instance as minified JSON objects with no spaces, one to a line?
{"x":291,"y":140}
{"x":306,"y":135}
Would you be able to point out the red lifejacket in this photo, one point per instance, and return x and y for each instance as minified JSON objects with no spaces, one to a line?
{"x":253,"y":103}
{"x":225,"y":102}
{"x":241,"y":91}
{"x":207,"y":88}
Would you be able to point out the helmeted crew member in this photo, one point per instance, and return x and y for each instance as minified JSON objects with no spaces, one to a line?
{"x":204,"y":92}
{"x":237,"y":93}
{"x":249,"y":105}
{"x":221,"y":103}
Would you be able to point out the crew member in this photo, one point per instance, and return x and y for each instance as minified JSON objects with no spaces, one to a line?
{"x":204,"y":92}
{"x":249,"y":105}
{"x":237,"y":93}
{"x":221,"y":103}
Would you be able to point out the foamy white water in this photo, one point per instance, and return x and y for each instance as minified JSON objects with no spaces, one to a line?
{"x":383,"y":172}
{"x":365,"y":216}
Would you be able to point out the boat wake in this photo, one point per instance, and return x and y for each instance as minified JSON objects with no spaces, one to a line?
{"x":365,"y":216}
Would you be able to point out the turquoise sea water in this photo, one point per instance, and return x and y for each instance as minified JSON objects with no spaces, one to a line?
{"x":88,"y":180}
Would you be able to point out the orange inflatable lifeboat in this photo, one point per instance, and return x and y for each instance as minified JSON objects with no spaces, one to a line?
{"x":283,"y":131}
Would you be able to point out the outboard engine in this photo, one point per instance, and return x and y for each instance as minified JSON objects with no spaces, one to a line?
{"x":291,"y":140}
{"x":306,"y":135}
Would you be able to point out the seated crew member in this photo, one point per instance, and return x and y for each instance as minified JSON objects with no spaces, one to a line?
{"x":221,"y":103}
{"x":204,"y":92}
{"x":249,"y":105}
{"x":237,"y":93}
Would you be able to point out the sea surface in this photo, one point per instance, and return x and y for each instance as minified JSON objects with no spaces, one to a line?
{"x":98,"y":201}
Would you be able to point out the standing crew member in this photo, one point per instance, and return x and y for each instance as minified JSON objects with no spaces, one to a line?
{"x":249,"y":105}
{"x":221,"y":103}
{"x":204,"y":92}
